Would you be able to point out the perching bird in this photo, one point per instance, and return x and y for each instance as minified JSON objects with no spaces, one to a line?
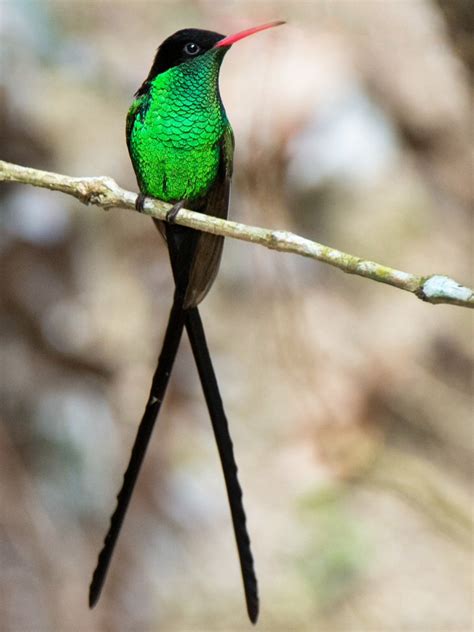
{"x":181,"y":145}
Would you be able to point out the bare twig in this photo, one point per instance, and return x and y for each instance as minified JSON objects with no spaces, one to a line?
{"x":105,"y":192}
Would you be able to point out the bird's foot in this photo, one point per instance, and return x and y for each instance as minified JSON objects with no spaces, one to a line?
{"x":140,"y":202}
{"x":173,"y":212}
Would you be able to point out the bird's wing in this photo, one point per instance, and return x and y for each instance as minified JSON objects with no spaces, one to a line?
{"x":207,"y":255}
{"x":137,"y":110}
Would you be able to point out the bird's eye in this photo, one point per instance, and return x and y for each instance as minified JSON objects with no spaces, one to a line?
{"x":191,"y":48}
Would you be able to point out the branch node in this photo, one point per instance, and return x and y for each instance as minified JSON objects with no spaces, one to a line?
{"x":438,"y":288}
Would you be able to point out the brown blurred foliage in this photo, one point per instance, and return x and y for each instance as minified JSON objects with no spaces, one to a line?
{"x":349,"y":402}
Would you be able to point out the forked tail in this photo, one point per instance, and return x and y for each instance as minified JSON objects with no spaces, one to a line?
{"x":180,"y":255}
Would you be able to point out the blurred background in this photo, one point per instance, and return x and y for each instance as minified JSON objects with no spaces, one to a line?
{"x":349,"y":401}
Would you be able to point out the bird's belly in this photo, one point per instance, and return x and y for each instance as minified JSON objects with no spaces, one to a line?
{"x":173,"y":174}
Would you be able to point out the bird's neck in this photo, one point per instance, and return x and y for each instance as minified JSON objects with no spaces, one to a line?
{"x":192,"y":87}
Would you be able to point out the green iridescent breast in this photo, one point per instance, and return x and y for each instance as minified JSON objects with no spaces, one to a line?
{"x":174,"y":131}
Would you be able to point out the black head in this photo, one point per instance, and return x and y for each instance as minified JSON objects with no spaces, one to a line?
{"x":181,"y":47}
{"x":187,"y":44}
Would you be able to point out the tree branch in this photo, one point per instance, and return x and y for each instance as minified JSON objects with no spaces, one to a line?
{"x":105,"y":192}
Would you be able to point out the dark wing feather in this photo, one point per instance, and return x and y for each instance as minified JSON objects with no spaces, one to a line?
{"x":208,"y":252}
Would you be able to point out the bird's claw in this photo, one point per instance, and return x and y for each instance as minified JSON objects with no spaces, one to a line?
{"x":140,"y":202}
{"x":170,"y":215}
{"x":173,"y":212}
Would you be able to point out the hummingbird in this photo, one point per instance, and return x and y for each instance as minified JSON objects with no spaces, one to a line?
{"x":181,"y":146}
